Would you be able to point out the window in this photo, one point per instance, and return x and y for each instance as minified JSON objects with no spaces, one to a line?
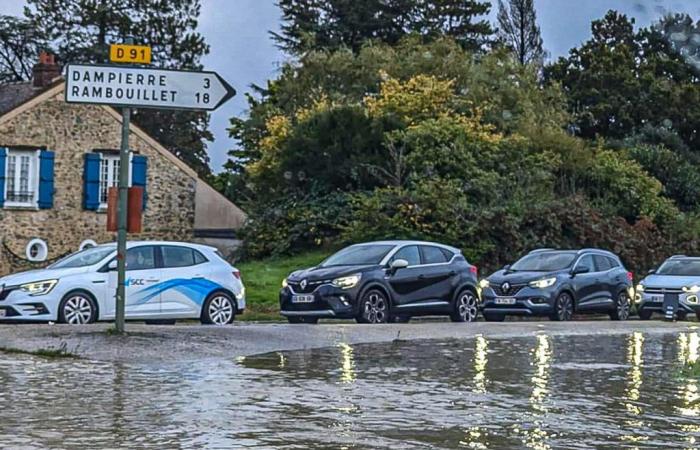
{"x":587,"y":261}
{"x":613,"y":262}
{"x":109,"y":176}
{"x":544,"y":262}
{"x":140,"y":258}
{"x":432,"y":255}
{"x":358,"y":255}
{"x":602,"y":263}
{"x":181,"y":257}
{"x":22,"y":178}
{"x":410,"y":254}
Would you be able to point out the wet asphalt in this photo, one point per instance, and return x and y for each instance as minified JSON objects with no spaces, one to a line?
{"x":190,"y":342}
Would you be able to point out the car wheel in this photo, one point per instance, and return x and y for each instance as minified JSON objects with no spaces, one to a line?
{"x":77,"y":308}
{"x":492,"y":317}
{"x":465,"y":307}
{"x":644,"y":314}
{"x":622,"y":307}
{"x":219,"y":309}
{"x":374,"y":307}
{"x":311,"y":320}
{"x":563,"y":308}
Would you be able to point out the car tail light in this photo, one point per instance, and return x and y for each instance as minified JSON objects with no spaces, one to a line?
{"x":630,"y":276}
{"x":237,"y":274}
{"x":474,"y":270}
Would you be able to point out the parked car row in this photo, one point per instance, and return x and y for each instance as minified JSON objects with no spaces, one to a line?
{"x":376,"y":282}
{"x":392,"y":281}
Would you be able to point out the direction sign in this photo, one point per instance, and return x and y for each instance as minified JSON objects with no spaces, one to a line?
{"x":140,"y":87}
{"x":127,"y":53}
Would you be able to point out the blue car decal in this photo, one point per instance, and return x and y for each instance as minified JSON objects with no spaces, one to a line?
{"x":195,"y":290}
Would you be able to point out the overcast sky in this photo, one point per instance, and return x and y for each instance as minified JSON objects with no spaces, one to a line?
{"x":242,"y":52}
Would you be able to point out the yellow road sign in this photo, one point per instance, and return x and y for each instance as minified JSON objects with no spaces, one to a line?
{"x":134,"y":54}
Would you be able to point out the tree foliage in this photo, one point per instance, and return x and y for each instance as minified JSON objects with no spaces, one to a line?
{"x":309,"y":25}
{"x":518,"y":30}
{"x":20,"y":44}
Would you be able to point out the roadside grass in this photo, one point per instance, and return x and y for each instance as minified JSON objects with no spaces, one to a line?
{"x":691,"y":370}
{"x":60,"y":352}
{"x":263,"y":280}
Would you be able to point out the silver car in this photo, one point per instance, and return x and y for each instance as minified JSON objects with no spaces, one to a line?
{"x":678,"y":276}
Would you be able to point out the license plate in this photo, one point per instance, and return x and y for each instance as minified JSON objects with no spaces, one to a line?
{"x":302,"y":299}
{"x":657,"y":299}
{"x":3,"y":313}
{"x":505,"y":301}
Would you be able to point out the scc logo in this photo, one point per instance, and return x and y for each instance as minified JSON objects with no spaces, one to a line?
{"x":134,"y":282}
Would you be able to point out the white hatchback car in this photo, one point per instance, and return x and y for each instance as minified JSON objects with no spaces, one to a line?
{"x":164,"y":281}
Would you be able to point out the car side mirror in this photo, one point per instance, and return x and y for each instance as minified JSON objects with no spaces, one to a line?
{"x":112,"y":265}
{"x":398,"y":264}
{"x":652,"y":272}
{"x":581,"y":269}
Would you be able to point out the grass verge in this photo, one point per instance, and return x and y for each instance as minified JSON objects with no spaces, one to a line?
{"x":60,"y":352}
{"x":263,"y":280}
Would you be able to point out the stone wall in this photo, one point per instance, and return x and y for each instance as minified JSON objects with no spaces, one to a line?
{"x":71,"y":131}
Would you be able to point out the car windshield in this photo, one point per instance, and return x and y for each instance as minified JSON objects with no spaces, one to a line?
{"x":358,"y":255}
{"x":544,"y":262}
{"x":83,"y":258}
{"x":680,"y":267}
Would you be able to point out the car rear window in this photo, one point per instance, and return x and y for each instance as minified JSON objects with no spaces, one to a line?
{"x":181,"y":257}
{"x":602,"y":263}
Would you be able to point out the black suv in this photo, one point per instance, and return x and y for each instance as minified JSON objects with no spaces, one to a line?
{"x":387,"y":281}
{"x":557,"y":283}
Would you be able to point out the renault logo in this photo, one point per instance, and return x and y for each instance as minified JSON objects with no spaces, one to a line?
{"x":303,"y":284}
{"x":505,"y":286}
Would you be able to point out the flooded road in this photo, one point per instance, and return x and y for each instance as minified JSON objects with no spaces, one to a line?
{"x":537,"y":392}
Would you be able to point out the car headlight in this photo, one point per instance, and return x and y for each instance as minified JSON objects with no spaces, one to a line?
{"x":692,"y":289}
{"x":39,"y":287}
{"x":284,"y":283}
{"x":483,"y":284}
{"x":347,"y":282}
{"x":543,"y":283}
{"x":639,"y":288}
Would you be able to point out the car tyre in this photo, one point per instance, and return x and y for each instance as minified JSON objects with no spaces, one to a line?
{"x":465,"y":308}
{"x":374,"y":307}
{"x":297,"y":319}
{"x":622,"y":307}
{"x":563,"y":308}
{"x":77,"y":308}
{"x":644,"y":314}
{"x":494,"y":317}
{"x":219,"y":309}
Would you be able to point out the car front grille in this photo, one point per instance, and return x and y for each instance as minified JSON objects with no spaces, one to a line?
{"x":310,"y":286}
{"x":512,"y":290}
{"x":655,"y":290}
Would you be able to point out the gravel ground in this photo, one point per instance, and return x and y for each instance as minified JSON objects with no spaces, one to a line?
{"x":186,"y":342}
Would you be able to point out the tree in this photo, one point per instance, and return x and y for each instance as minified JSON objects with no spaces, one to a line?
{"x":334,"y":24}
{"x":519,"y":31}
{"x":20,"y":44}
{"x":81,"y":31}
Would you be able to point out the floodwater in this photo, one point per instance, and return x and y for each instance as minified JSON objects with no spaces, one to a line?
{"x":541,"y":392}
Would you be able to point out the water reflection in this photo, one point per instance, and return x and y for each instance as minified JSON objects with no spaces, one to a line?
{"x":347,"y":368}
{"x":481,"y":349}
{"x":688,"y":346}
{"x":536,"y":437}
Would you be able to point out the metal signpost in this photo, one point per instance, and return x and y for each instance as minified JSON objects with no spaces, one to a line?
{"x":139,"y":87}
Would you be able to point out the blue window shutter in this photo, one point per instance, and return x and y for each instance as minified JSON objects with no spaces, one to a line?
{"x":46,"y":191}
{"x":139,"y":169}
{"x":3,"y":158}
{"x":91,"y":182}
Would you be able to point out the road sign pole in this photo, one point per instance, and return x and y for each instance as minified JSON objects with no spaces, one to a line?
{"x":122,"y":220}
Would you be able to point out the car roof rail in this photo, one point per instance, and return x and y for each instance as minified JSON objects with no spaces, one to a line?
{"x":537,"y":250}
{"x":678,"y":256}
{"x":599,"y":250}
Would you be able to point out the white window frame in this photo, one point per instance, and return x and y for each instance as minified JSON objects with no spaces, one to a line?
{"x":32,"y":177}
{"x":112,"y":176}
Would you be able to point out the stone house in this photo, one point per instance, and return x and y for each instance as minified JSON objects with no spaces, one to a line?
{"x":57,"y":161}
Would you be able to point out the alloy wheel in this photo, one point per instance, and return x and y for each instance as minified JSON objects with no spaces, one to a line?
{"x":376,"y":309}
{"x":467,"y":307}
{"x":564,"y":308}
{"x":220,"y":310}
{"x":78,"y":310}
{"x":623,"y":307}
